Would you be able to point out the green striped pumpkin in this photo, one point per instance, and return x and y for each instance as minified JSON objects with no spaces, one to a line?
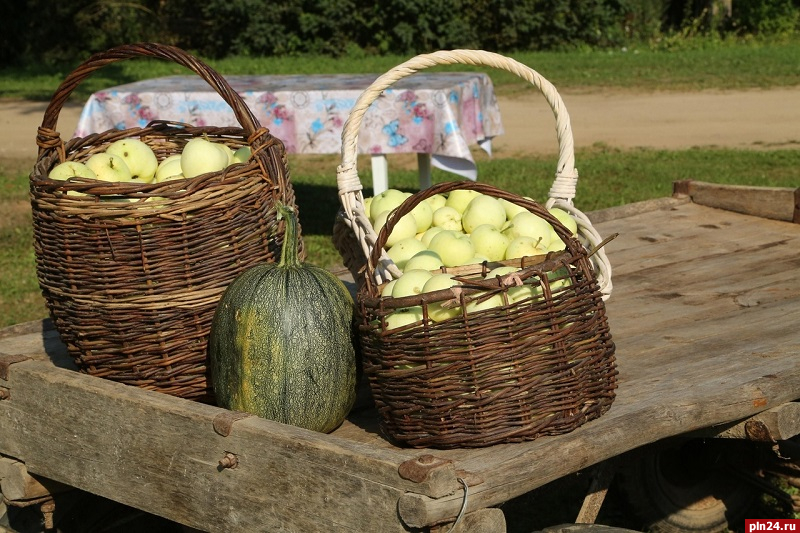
{"x":281,"y":344}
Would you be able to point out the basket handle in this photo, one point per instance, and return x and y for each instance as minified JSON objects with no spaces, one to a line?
{"x":47,"y":138}
{"x":561,"y":193}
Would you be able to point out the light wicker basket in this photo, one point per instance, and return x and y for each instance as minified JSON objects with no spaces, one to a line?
{"x":530,"y":367}
{"x":132,"y":272}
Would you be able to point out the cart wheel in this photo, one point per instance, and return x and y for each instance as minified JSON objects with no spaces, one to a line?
{"x":690,"y":487}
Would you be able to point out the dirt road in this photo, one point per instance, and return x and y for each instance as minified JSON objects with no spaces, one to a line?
{"x":739,"y":119}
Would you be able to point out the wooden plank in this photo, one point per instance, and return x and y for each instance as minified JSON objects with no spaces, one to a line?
{"x":779,"y":203}
{"x":781,"y":423}
{"x":161,"y":454}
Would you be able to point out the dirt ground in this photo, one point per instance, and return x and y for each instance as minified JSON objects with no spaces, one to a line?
{"x":668,"y":120}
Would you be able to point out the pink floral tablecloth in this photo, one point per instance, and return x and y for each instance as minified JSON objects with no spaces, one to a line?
{"x":441,"y":114}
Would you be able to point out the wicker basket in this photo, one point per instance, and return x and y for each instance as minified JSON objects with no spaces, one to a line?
{"x":540,"y":365}
{"x":131,"y":273}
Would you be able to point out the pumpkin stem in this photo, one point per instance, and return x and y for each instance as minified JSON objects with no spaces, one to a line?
{"x":289,"y":253}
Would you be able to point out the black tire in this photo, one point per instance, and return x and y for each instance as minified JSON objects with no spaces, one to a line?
{"x":689,"y":487}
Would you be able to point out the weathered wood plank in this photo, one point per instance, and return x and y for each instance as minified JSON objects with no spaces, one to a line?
{"x":781,"y":423}
{"x":779,"y":203}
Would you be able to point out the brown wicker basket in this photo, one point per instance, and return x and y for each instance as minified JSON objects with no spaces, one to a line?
{"x":541,"y":365}
{"x":131,"y":273}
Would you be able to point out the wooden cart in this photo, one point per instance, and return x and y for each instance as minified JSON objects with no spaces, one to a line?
{"x":704,"y":314}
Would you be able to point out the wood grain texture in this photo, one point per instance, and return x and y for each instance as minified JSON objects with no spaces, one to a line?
{"x":703,"y":314}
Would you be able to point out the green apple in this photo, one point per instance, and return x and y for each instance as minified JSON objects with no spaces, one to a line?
{"x":447,"y":218}
{"x":71,"y":169}
{"x":388,"y":200}
{"x":410,"y":283}
{"x":429,"y":233}
{"x":387,"y":289}
{"x":453,"y":247}
{"x":201,"y":156}
{"x":525,"y":246}
{"x":489,"y":242}
{"x":404,"y":250}
{"x":516,"y":292}
{"x":565,"y":218}
{"x":436,"y":201}
{"x":424,"y":260}
{"x":139,"y":157}
{"x":436,"y":311}
{"x":405,"y":228}
{"x":459,"y":199}
{"x":493,"y":301}
{"x":367,"y":205}
{"x":403,"y":317}
{"x":526,"y":224}
{"x":242,"y":154}
{"x":483,"y":209}
{"x":423,"y":214}
{"x":228,"y":151}
{"x":511,"y":208}
{"x":109,"y":167}
{"x":169,"y":168}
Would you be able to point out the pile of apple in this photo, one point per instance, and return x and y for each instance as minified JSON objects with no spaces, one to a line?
{"x":133,"y":161}
{"x":462,"y":228}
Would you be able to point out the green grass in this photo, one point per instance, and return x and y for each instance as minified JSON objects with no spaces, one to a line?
{"x":694,"y":65}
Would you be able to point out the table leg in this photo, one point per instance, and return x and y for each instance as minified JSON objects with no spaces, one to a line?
{"x":424,"y":163}
{"x":380,"y":174}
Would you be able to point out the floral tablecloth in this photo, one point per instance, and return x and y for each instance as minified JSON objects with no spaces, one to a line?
{"x":441,"y":113}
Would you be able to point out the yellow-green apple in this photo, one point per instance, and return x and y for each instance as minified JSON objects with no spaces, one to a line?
{"x":489,"y":242}
{"x":404,"y":250}
{"x":242,"y":154}
{"x":169,"y":168}
{"x":526,"y":224}
{"x":481,"y":303}
{"x":140,"y":158}
{"x":410,"y":283}
{"x":429,"y":233}
{"x":447,"y":218}
{"x":524,"y":246}
{"x":388,"y":200}
{"x":109,"y":167}
{"x":423,"y":214}
{"x":436,"y":311}
{"x":201,"y":156}
{"x":425,"y":260}
{"x":511,"y":208}
{"x":403,"y":317}
{"x":565,"y":218}
{"x":515,"y":292}
{"x":455,"y":248}
{"x":71,"y":169}
{"x":387,"y":289}
{"x":459,"y":199}
{"x":436,"y":201}
{"x":483,"y":209}
{"x":405,"y":228}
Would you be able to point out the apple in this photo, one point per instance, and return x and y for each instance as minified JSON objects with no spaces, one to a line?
{"x":201,"y":156}
{"x":405,"y":228}
{"x":436,"y":201}
{"x":565,"y":218}
{"x":228,"y":151}
{"x":459,"y":199}
{"x":387,"y":289}
{"x":524,"y":246}
{"x":447,"y":218}
{"x":403,"y":317}
{"x":453,"y":247}
{"x":423,"y":214}
{"x":526,"y":224}
{"x":489,"y":242}
{"x":478,"y":304}
{"x":241,"y":155}
{"x":404,"y":250}
{"x":515,"y":292}
{"x":511,"y":208}
{"x":483,"y":209}
{"x":109,"y":167}
{"x":388,"y":200}
{"x":436,"y":311}
{"x":424,"y":260}
{"x":367,"y":205}
{"x":71,"y":169}
{"x":139,"y":157}
{"x":169,"y":168}
{"x":410,"y":283}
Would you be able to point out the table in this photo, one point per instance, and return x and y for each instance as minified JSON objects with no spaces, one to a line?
{"x":437,"y":115}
